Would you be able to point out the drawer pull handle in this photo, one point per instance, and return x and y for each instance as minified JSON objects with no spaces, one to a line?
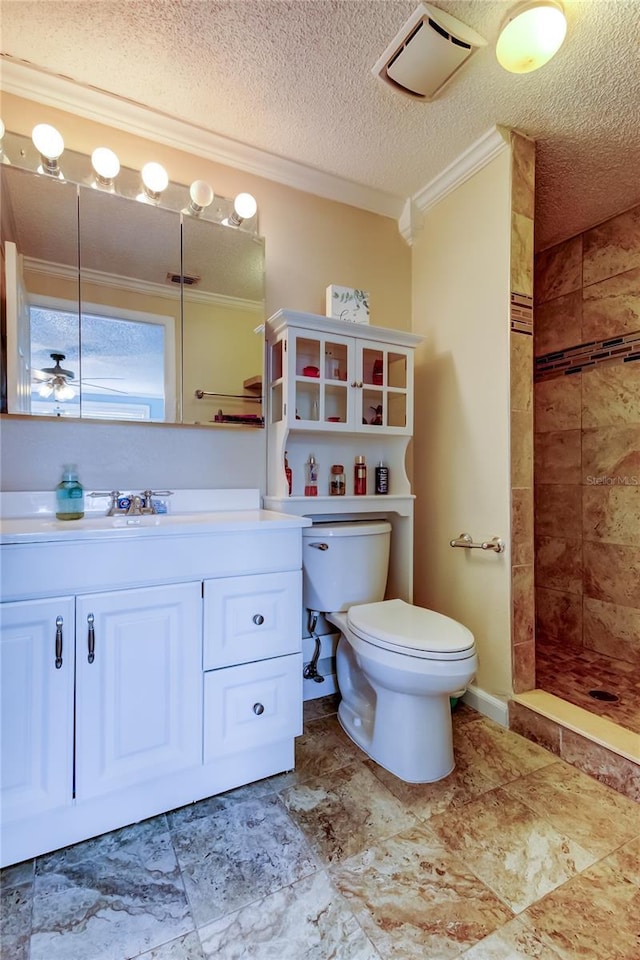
{"x":59,"y":622}
{"x":91,"y":639}
{"x":258,"y":709}
{"x":258,"y":619}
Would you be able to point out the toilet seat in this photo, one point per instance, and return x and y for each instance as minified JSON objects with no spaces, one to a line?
{"x":412,"y":631}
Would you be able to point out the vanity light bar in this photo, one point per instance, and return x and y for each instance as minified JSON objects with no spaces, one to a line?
{"x":102,"y":171}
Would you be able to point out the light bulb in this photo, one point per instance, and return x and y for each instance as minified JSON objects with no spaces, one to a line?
{"x":532,"y":35}
{"x":47,"y":141}
{"x":106,"y":165}
{"x":201,"y":196}
{"x":50,"y":145}
{"x":244,"y":206}
{"x":155,"y":179}
{"x":201,"y":193}
{"x":64,"y":392}
{"x":45,"y":390}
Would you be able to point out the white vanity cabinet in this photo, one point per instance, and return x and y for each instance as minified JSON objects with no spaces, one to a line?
{"x":138,"y":703}
{"x":37,"y":659}
{"x":252,"y":662}
{"x":143,"y":668}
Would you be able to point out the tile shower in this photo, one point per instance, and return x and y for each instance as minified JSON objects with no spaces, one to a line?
{"x":587,"y":468}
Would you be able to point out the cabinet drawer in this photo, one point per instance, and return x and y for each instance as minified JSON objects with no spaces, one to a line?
{"x":250,"y":618}
{"x":252,"y":705}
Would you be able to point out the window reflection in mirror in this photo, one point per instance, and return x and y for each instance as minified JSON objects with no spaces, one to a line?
{"x":128,"y":253}
{"x":96,"y":279}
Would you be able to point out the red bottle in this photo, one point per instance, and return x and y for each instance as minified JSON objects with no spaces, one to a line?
{"x":360,"y":477}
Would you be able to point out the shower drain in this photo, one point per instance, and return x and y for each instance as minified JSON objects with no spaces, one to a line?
{"x":604,"y":695}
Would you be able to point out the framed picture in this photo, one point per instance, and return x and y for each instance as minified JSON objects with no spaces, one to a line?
{"x":345,"y":303}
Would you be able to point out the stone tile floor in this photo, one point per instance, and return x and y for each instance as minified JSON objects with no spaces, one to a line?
{"x":515,"y":855}
{"x":571,"y":673}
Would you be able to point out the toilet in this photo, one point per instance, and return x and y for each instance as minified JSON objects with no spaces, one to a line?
{"x":397,"y":664}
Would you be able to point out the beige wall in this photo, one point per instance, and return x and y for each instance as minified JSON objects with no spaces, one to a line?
{"x":461,"y":455}
{"x":310,"y":243}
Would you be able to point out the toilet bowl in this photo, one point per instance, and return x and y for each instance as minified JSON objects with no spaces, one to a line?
{"x":397,"y":664}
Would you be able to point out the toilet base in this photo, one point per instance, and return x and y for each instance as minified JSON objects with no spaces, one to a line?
{"x":412,"y":756}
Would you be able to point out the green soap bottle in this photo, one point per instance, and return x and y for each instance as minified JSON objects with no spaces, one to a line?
{"x":69,"y":495}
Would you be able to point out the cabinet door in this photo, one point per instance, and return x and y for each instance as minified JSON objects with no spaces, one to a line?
{"x":139,"y":686}
{"x":320,"y":387}
{"x":37,"y":706}
{"x":384,"y":377}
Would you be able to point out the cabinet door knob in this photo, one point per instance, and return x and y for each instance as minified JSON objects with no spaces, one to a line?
{"x":59,"y":623}
{"x":354,"y":383}
{"x":258,"y":619}
{"x":258,"y":709}
{"x":91,"y":639}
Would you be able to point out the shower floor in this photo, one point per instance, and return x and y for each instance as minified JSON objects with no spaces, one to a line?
{"x":571,"y":674}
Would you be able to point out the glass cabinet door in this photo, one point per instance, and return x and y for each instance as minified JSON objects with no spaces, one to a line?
{"x":383,"y":377}
{"x":321,"y":374}
{"x":276,"y":381}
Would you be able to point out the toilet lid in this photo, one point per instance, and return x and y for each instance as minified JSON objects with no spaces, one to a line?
{"x":414,"y":630}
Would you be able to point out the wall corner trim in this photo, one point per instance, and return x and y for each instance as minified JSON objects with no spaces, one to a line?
{"x":474,"y":158}
{"x":410,"y":222}
{"x":32,"y":83}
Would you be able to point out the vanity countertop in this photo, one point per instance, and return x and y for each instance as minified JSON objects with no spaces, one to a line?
{"x":199,"y":513}
{"x":48,"y":529}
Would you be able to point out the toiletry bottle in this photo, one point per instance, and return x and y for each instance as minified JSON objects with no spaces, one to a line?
{"x":382,"y":478}
{"x":287,"y":472}
{"x":311,"y":486}
{"x":69,"y":495}
{"x":360,"y":477}
{"x":337,"y":483}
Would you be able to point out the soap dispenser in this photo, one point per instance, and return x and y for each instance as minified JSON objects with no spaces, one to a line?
{"x":69,"y":495}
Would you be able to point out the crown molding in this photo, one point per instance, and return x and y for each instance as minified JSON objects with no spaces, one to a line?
{"x":62,"y":271}
{"x":33,"y":83}
{"x":474,"y":158}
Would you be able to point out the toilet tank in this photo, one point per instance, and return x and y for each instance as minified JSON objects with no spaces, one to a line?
{"x":344,"y":564}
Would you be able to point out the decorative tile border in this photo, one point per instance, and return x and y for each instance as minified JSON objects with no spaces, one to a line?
{"x":521,"y":314}
{"x":585,"y":356}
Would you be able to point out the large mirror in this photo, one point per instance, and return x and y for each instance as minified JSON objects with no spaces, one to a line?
{"x":122,"y":310}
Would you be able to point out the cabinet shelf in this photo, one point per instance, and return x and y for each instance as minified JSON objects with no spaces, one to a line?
{"x":402,"y":504}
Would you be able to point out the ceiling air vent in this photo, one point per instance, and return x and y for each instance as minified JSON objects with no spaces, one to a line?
{"x":429,"y":49}
{"x":183,"y":278}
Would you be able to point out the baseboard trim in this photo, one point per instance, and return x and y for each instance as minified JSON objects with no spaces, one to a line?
{"x":487,"y":704}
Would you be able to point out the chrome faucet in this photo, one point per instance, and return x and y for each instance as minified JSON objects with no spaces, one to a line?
{"x":140,"y":504}
{"x":114,"y":510}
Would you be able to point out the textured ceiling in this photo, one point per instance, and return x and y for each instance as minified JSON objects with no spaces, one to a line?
{"x":294,"y":79}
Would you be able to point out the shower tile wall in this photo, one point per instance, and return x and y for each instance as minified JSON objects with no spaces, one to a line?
{"x":521,"y":347}
{"x":587,"y":440}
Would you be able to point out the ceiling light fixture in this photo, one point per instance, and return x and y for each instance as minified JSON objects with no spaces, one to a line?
{"x":50,"y":145}
{"x":155,"y":179}
{"x":106,"y":166}
{"x":244,"y":207}
{"x":532,"y":35}
{"x":201,"y":196}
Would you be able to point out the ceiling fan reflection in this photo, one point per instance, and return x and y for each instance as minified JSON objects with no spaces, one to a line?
{"x":54,"y":381}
